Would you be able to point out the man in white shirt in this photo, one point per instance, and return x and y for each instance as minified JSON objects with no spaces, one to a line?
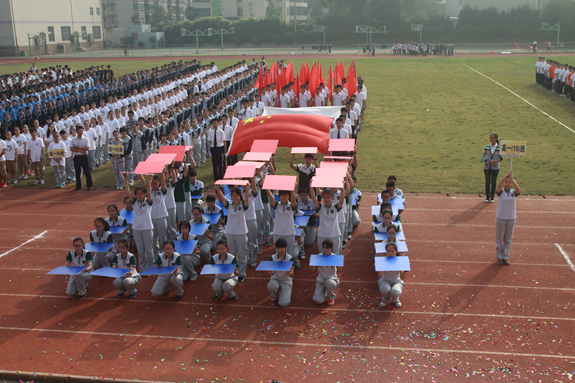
{"x":284,"y":99}
{"x":338,"y":132}
{"x":304,"y":99}
{"x":105,"y":136}
{"x":337,"y":98}
{"x":35,"y":148}
{"x":80,"y":146}
{"x":218,"y":149}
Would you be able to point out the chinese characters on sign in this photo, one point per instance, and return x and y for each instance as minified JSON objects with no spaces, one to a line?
{"x":513,"y":148}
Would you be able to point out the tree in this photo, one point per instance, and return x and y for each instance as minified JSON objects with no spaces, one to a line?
{"x":140,"y":44}
{"x":127,"y":41}
{"x":190,"y":13}
{"x":153,"y":40}
{"x":271,"y":10}
{"x":162,"y":42}
{"x":158,"y":16}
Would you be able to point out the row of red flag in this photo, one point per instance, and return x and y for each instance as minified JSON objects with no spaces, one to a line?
{"x":313,"y":77}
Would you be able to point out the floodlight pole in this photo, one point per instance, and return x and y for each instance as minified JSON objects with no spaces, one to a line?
{"x":556,"y":27}
{"x":417,"y":28}
{"x":369,"y":31}
{"x":29,"y":44}
{"x":321,"y":28}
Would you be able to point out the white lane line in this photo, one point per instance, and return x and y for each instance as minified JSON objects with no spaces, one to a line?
{"x":555,"y":227}
{"x":28,"y":241}
{"x":566,"y":257}
{"x":19,"y":375}
{"x":521,"y":98}
{"x":298,"y":344}
{"x":311,"y":308}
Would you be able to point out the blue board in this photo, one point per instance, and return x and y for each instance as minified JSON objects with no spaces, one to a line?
{"x":274,"y":266}
{"x":213,"y":218}
{"x":185,"y":247}
{"x":354,"y":198}
{"x":301,"y":220}
{"x":392,"y":263}
{"x":308,"y":212}
{"x":117,"y":229}
{"x":227,"y":268}
{"x":128,"y":215}
{"x":220,"y":204}
{"x":298,"y":231}
{"x":277,"y":197}
{"x":110,"y":272}
{"x":380,"y":247}
{"x":397,"y":202}
{"x":160,"y":270}
{"x":326,"y":260}
{"x":383,"y":236}
{"x":98,"y":247}
{"x":198,"y":228}
{"x":67,"y":270}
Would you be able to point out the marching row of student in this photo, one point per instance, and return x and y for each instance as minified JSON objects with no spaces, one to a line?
{"x":556,"y":77}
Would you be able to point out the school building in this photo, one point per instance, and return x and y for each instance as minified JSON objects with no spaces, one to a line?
{"x":452,"y":8}
{"x":243,"y":9}
{"x":49,"y":26}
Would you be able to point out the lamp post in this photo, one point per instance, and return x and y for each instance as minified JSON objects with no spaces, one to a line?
{"x":417,"y":28}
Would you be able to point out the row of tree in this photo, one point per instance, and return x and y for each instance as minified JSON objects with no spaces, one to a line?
{"x":473,"y":25}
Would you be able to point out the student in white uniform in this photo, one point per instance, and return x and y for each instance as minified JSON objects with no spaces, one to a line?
{"x":387,"y":217}
{"x":189,"y":261}
{"x":251,"y":222}
{"x":159,"y":213}
{"x":170,"y":204}
{"x":505,"y":217}
{"x":169,"y":258}
{"x":68,"y":159}
{"x":224,"y":283}
{"x":35,"y":149}
{"x":390,"y":283}
{"x":123,"y":259}
{"x":284,"y":221}
{"x":102,"y":234}
{"x":236,"y":227}
{"x":78,"y":284}
{"x":204,"y":240}
{"x":59,"y":164}
{"x":142,"y":227}
{"x":281,"y":281}
{"x":328,"y":211}
{"x":327,"y":280}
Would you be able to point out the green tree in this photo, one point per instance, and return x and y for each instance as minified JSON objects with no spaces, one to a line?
{"x":153,"y":40}
{"x":140,"y":44}
{"x":127,"y":41}
{"x":271,"y":10}
{"x":158,"y":16}
{"x":162,"y":42}
{"x":190,"y":13}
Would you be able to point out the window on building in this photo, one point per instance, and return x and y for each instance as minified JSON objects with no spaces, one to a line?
{"x":202,"y":12}
{"x":240,"y":11}
{"x":98,"y":11}
{"x":96,"y":32}
{"x":84,"y":33}
{"x":66,"y":33}
{"x":51,"y":36}
{"x":91,"y":10}
{"x":135,"y":35}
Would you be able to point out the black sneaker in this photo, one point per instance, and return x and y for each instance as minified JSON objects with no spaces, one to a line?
{"x":234,"y":298}
{"x":80,"y":297}
{"x":215,"y":296}
{"x":178,"y":297}
{"x":241,"y":279}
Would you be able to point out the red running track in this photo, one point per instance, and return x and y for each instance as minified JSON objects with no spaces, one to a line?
{"x":463,"y":316}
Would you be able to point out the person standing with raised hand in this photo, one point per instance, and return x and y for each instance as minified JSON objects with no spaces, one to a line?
{"x":491,"y":158}
{"x":505,"y":217}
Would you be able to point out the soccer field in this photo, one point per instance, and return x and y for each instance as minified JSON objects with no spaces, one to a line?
{"x":429,"y":118}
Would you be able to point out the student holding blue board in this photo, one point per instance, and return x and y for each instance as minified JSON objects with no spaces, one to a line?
{"x":327,"y":280}
{"x":204,"y":240}
{"x":387,"y":216}
{"x":189,"y":261}
{"x":78,"y":284}
{"x":383,"y":207}
{"x":224,"y":283}
{"x":123,"y":259}
{"x":284,"y":222}
{"x":102,"y":234}
{"x":281,"y":281}
{"x":390,"y":283}
{"x":218,"y":229}
{"x":306,"y":204}
{"x":169,"y":258}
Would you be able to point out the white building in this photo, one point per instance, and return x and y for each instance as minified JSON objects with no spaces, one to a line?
{"x":243,"y":9}
{"x":453,"y":7}
{"x":49,"y":26}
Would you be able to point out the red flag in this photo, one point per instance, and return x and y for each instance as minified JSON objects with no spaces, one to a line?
{"x":313,"y":81}
{"x":260,"y":80}
{"x":350,"y":85}
{"x":329,"y":85}
{"x":340,"y":71}
{"x":292,"y":130}
{"x":273,"y":73}
{"x":289,"y":72}
{"x":280,"y":81}
{"x":266,"y":79}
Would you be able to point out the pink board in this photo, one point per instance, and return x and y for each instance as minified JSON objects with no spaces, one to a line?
{"x":150,"y":167}
{"x":332,"y":164}
{"x":257,"y":156}
{"x":180,"y":151}
{"x":341,"y":145}
{"x":255,"y":164}
{"x":337,"y":158}
{"x":326,"y":182}
{"x":338,"y":173}
{"x":231,"y":182}
{"x":305,"y":150}
{"x":166,"y":158}
{"x":265,"y":146}
{"x":273,"y":182}
{"x":240,"y":171}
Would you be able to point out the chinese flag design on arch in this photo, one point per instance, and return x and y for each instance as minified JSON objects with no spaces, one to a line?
{"x":292,"y":130}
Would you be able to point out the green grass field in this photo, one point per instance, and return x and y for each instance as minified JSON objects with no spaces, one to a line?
{"x":429,"y":119}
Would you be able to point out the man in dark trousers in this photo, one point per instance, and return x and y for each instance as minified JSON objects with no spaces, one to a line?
{"x":80,"y":146}
{"x":216,"y":136}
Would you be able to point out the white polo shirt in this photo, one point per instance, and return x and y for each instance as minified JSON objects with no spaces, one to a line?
{"x":34,"y":147}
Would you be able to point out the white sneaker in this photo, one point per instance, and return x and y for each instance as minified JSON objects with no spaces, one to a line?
{"x":396,"y":302}
{"x":131,"y":183}
{"x":41,"y":182}
{"x":36,"y":182}
{"x":486,"y":200}
{"x":19,"y":177}
{"x":25,"y":177}
{"x":492,"y":201}
{"x":384,"y":302}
